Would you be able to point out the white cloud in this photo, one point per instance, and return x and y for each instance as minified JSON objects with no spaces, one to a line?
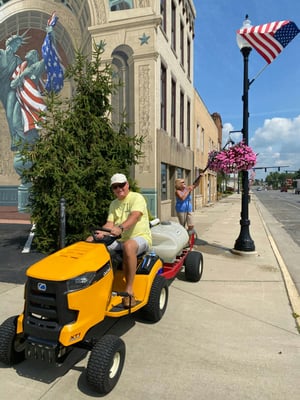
{"x":278,"y":143}
{"x":226,"y":135}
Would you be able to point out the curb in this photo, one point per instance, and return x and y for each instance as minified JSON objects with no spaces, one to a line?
{"x":15,"y":221}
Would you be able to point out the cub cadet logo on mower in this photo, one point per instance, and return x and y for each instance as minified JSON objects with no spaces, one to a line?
{"x":42,"y":287}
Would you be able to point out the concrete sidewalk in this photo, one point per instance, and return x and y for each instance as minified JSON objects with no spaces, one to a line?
{"x":10,"y":215}
{"x":230,"y":336}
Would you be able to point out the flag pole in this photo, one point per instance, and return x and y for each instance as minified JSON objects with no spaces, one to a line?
{"x":259,"y":73}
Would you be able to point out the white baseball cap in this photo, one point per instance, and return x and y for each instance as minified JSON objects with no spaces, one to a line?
{"x":118,"y":178}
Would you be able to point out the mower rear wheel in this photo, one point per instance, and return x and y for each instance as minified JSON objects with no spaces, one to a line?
{"x":12,"y":349}
{"x":193,"y":266}
{"x":158,"y":300}
{"x":105,"y":363}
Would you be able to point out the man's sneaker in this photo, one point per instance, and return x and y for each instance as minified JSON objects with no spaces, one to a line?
{"x":129,"y":301}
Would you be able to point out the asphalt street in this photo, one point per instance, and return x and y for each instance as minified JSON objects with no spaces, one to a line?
{"x":281,"y":214}
{"x":13,"y":263}
{"x":285,"y":207}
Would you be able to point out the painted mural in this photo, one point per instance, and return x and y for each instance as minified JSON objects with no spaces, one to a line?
{"x":24,"y":83}
{"x":22,"y":86}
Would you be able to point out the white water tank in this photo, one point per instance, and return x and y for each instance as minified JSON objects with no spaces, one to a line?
{"x":168,"y":240}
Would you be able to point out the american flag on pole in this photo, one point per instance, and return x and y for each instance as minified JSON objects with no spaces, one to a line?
{"x":55,"y":73}
{"x":270,"y":39}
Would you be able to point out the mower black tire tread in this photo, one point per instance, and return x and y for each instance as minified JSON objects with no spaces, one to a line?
{"x":8,"y":353}
{"x":158,"y":299}
{"x":105,"y":363}
{"x":193,"y":266}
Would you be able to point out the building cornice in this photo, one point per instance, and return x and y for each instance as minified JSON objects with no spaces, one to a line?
{"x":130,"y":23}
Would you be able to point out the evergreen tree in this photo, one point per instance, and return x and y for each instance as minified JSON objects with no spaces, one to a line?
{"x":76,"y":154}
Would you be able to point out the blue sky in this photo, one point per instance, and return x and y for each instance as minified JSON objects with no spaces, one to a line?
{"x":274,"y":96}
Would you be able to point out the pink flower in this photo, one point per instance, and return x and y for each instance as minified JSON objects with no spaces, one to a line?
{"x":239,"y":157}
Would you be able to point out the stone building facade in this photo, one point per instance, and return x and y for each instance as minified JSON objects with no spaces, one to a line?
{"x":207,"y":137}
{"x":150,"y":46}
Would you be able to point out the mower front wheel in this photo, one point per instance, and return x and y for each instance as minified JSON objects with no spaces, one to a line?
{"x":105,"y":363}
{"x":12,"y":349}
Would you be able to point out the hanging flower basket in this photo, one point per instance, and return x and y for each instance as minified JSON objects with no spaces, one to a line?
{"x":239,"y":157}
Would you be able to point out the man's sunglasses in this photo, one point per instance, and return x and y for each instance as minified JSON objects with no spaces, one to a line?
{"x":118,"y":185}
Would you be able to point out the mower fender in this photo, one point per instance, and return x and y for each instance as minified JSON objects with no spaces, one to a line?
{"x":142,"y":287}
{"x":143,"y":283}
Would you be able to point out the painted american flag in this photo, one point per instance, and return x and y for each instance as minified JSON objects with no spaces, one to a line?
{"x":29,"y":98}
{"x":55,"y":73}
{"x":270,"y":39}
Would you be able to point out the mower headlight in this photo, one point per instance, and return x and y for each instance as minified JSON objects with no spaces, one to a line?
{"x":81,"y":281}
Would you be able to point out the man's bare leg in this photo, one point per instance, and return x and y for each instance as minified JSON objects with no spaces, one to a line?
{"x":130,"y":248}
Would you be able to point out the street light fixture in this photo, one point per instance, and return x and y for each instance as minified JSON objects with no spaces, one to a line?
{"x":244,"y":242}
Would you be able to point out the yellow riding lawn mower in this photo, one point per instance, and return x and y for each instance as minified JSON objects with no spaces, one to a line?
{"x":73,"y":290}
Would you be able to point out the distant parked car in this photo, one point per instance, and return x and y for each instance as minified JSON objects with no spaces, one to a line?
{"x":283,"y":189}
{"x":259,"y":189}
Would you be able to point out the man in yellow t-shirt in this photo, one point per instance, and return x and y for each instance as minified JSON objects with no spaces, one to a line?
{"x":128,"y":217}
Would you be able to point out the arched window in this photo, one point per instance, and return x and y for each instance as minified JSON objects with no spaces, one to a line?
{"x":123,"y":98}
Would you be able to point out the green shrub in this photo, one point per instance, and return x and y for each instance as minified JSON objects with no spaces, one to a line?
{"x":77,"y":152}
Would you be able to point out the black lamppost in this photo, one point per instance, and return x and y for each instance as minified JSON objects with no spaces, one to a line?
{"x":244,"y":241}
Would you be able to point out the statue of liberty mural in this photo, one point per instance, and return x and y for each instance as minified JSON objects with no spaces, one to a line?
{"x":22,"y":86}
{"x":22,"y":90}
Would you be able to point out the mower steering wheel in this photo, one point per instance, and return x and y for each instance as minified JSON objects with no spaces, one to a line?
{"x":107,"y":239}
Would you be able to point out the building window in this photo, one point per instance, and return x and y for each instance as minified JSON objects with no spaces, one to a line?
{"x":173,"y":26}
{"x":173,"y":109}
{"x":120,"y":101}
{"x":182,"y":43}
{"x":188,"y":123}
{"x":116,"y":5}
{"x":163,"y":14}
{"x":181,"y":125}
{"x":163,"y":97}
{"x":2,"y":2}
{"x":164,"y":180}
{"x":189,"y":58}
{"x":179,"y":173}
{"x":198,"y":137}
